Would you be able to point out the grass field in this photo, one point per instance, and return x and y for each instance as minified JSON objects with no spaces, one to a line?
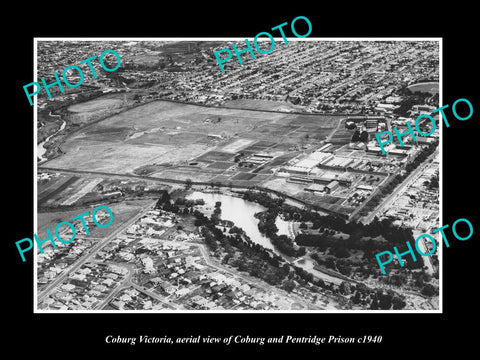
{"x":53,"y":189}
{"x":427,"y":87}
{"x":212,"y":156}
{"x":95,"y":105}
{"x":221,"y":165}
{"x":170,"y":133}
{"x":261,"y":105}
{"x":122,"y":212}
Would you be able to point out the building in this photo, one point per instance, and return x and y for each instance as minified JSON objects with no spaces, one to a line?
{"x":371,"y":124}
{"x":315,"y":188}
{"x":332,"y":186}
{"x":309,"y":162}
{"x":300,"y":180}
{"x":365,"y":187}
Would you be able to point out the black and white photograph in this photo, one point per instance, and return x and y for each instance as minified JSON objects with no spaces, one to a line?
{"x":259,"y":188}
{"x":213,"y":179}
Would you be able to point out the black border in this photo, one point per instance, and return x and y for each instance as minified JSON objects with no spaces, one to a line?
{"x":85,"y":333}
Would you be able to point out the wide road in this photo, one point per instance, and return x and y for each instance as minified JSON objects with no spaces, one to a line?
{"x":327,"y":139}
{"x":397,"y":192}
{"x":92,"y":252}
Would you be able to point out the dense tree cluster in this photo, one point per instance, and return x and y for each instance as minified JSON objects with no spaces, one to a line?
{"x":432,"y":183}
{"x":360,"y":136}
{"x":264,"y":199}
{"x":253,"y":258}
{"x":267,"y":220}
{"x":235,"y":248}
{"x":361,"y":236}
{"x":410,"y":99}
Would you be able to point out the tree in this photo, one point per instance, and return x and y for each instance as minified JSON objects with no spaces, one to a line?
{"x":303,"y":226}
{"x":344,"y":269}
{"x":344,"y":288}
{"x":356,"y":136}
{"x":289,"y":285}
{"x":350,"y":125}
{"x":163,"y":199}
{"x":364,"y":137}
{"x":180,"y":201}
{"x":384,"y":301}
{"x":316,"y":224}
{"x":363,"y":289}
{"x":398,"y":303}
{"x":330,"y":263}
{"x":429,"y":290}
{"x":188,"y":184}
{"x":356,"y":299}
{"x":397,"y":279}
{"x":342,"y":252}
{"x":226,"y":259}
{"x":301,"y":251}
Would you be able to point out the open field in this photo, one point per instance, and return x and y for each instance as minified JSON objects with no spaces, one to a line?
{"x":122,"y":212}
{"x":94,"y":105}
{"x":53,"y":190}
{"x":86,"y":187}
{"x":175,"y":142}
{"x":170,"y":133}
{"x":261,"y":105}
{"x":427,"y":87}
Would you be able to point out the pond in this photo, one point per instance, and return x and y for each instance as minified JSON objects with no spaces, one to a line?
{"x":239,"y":211}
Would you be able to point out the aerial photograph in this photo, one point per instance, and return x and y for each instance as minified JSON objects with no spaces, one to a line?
{"x":260,"y":188}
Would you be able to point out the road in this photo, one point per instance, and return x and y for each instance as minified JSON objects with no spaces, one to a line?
{"x":92,"y":252}
{"x":127,"y":282}
{"x":397,"y":192}
{"x":327,"y":139}
{"x":260,"y":284}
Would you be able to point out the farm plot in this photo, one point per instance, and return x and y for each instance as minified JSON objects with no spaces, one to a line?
{"x":166,"y":133}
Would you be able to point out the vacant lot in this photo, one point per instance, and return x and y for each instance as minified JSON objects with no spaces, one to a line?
{"x":212,"y":156}
{"x":54,"y":187}
{"x":122,"y":212}
{"x":95,"y":105}
{"x":261,"y":105}
{"x":427,"y":87}
{"x":173,"y":134}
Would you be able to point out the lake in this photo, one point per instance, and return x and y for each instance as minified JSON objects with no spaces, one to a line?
{"x":242,"y":213}
{"x":239,"y":211}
